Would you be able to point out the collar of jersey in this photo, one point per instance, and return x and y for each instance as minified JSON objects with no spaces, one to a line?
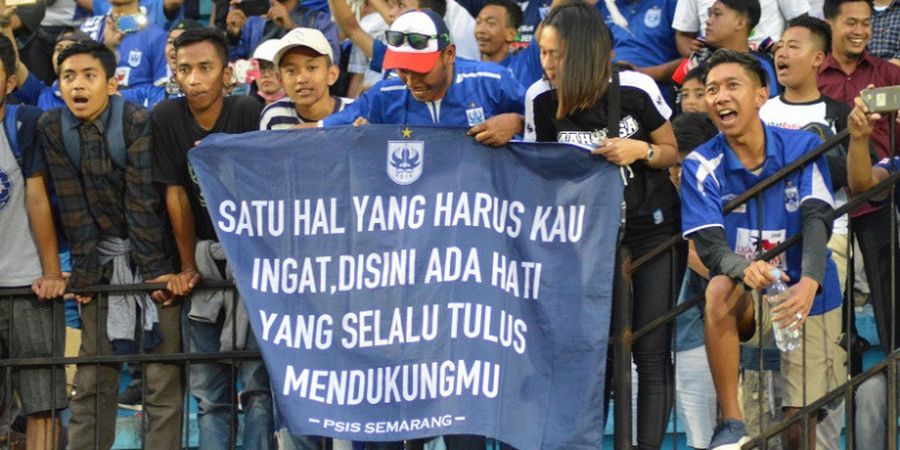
{"x":773,"y":159}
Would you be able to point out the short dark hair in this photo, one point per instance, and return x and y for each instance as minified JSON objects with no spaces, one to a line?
{"x":832,"y":8}
{"x":749,"y":62}
{"x":817,"y":27}
{"x":203,"y":34}
{"x":747,"y":8}
{"x":694,"y":74}
{"x":692,"y":130}
{"x":96,"y":50}
{"x":438,"y":6}
{"x":7,"y":56}
{"x":514,"y":15}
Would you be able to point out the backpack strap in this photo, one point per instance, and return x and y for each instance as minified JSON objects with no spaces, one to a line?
{"x":115,"y":134}
{"x":11,"y":127}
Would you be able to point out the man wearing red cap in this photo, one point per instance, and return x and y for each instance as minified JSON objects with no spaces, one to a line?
{"x":434,"y":88}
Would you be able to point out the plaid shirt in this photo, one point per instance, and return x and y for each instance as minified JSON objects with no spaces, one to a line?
{"x":100,"y":199}
{"x":885,"y":42}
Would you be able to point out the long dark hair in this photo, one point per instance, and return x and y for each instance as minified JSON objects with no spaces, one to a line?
{"x":586,"y":56}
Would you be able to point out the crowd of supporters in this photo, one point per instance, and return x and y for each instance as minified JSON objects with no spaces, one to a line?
{"x":101,"y":102}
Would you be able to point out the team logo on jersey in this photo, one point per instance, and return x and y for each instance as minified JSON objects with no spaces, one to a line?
{"x":5,"y":189}
{"x":728,"y":198}
{"x":791,"y":198}
{"x":134,"y":58}
{"x":475,"y":115}
{"x":405,"y":160}
{"x":653,"y":17}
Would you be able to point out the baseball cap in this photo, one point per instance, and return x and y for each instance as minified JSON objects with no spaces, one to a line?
{"x":186,"y":24}
{"x":304,"y":37}
{"x":415,"y":41}
{"x":75,"y":35}
{"x":266,"y":50}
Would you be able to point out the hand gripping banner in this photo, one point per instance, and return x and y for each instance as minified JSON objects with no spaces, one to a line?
{"x":406,"y":282}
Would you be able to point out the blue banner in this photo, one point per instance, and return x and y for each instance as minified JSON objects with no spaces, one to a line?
{"x":410,"y":282}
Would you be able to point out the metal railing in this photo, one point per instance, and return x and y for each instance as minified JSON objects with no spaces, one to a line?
{"x":623,"y":336}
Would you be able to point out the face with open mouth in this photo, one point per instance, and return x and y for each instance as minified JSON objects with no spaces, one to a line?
{"x":85,"y":86}
{"x":733,"y":98}
{"x":851,"y":29}
{"x":797,"y":59}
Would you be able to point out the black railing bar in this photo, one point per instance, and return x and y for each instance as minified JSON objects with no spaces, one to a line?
{"x":120,"y":288}
{"x":150,"y":358}
{"x":850,"y":384}
{"x":749,"y":193}
{"x":771,"y":253}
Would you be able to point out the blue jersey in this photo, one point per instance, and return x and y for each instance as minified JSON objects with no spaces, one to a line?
{"x":649,"y":40}
{"x":153,"y":9}
{"x":712,"y":175}
{"x":478,"y":91}
{"x":142,"y":55}
{"x":35,"y":92}
{"x":525,"y":64}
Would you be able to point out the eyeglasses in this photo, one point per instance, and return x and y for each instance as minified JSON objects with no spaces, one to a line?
{"x":417,"y":41}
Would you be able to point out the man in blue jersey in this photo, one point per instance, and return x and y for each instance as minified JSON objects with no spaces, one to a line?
{"x":140,"y":45}
{"x":434,"y":88}
{"x":743,"y":154}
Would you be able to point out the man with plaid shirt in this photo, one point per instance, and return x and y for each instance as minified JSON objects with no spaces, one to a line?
{"x":99,"y":155}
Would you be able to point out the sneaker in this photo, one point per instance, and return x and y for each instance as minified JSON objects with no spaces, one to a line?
{"x":730,"y":434}
{"x":131,"y":399}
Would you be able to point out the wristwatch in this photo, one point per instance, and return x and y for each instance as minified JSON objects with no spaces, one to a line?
{"x":650,"y":152}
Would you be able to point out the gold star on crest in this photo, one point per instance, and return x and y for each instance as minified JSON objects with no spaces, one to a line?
{"x":406,"y":132}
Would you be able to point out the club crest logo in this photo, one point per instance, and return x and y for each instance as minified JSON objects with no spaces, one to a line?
{"x":405,"y":160}
{"x":653,"y":17}
{"x":5,"y":189}
{"x":791,"y":198}
{"x":134,"y":58}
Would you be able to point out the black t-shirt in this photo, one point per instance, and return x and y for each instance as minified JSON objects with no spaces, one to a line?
{"x":174,"y":133}
{"x":650,"y":197}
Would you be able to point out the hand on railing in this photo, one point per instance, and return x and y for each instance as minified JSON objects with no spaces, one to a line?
{"x":163,"y":296}
{"x":183,"y":283}
{"x":49,"y":286}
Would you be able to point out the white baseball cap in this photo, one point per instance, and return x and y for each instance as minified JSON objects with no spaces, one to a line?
{"x":266,"y":50}
{"x":304,"y":37}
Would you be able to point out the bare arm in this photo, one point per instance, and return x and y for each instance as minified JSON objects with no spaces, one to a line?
{"x":686,"y":42}
{"x":51,"y":284}
{"x":624,"y":151}
{"x":349,"y":26}
{"x":183,"y":228}
{"x":860,"y":174}
{"x":694,"y":260}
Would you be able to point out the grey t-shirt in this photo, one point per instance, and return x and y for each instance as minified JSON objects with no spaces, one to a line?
{"x":20,"y":263}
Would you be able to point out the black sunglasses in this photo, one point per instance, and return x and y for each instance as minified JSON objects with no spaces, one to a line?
{"x":417,"y":41}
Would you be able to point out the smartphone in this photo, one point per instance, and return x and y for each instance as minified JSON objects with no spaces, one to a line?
{"x":128,"y":24}
{"x":253,"y":7}
{"x":883,"y":99}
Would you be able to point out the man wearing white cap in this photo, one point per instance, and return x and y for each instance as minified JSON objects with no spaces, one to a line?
{"x":434,"y":88}
{"x":305,"y":66}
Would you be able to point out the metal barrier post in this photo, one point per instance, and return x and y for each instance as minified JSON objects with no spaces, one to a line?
{"x":621,"y":337}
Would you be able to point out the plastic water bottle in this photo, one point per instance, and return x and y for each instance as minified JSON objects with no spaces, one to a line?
{"x":786,"y":339}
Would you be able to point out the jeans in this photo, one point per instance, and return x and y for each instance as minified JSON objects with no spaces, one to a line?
{"x":695,"y":402}
{"x":212,"y":386}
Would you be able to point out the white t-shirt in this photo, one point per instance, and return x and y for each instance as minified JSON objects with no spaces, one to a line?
{"x":691,"y":15}
{"x":20,"y":263}
{"x":374,"y":25}
{"x":462,"y":30}
{"x":794,"y":116}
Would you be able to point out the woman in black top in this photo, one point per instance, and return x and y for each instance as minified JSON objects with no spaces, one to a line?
{"x":573,"y":108}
